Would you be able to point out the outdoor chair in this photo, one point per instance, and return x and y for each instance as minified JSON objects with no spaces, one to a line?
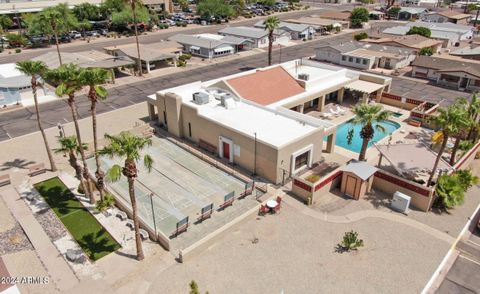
{"x":335,"y":113}
{"x":130,"y":224}
{"x":263,"y":210}
{"x":279,"y":201}
{"x":227,"y":203}
{"x":181,"y":229}
{"x":121,"y":215}
{"x":276,"y":210}
{"x":143,"y":234}
{"x":340,"y":110}
{"x":204,"y":216}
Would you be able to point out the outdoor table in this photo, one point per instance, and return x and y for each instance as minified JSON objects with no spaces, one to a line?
{"x":272,"y":204}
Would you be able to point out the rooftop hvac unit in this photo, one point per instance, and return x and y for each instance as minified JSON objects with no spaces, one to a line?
{"x":303,"y":76}
{"x":201,"y":98}
{"x":400,"y":202}
{"x":228,"y":102}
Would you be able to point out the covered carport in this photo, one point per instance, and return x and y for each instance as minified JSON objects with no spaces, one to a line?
{"x":150,"y":58}
{"x":363,"y":90}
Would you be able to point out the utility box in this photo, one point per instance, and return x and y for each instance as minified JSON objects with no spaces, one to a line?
{"x":400,"y":202}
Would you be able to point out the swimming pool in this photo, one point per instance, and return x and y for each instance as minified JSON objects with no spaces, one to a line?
{"x":356,"y":145}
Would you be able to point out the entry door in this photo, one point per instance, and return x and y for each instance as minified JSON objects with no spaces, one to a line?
{"x":226,"y":150}
{"x":350,"y":186}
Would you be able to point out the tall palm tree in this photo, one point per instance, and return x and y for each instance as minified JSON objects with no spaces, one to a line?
{"x":35,"y":69}
{"x":271,"y":23}
{"x":463,"y":106}
{"x":474,"y":112}
{"x":133,"y":4}
{"x":94,"y":78}
{"x":128,"y":147}
{"x":449,"y":121}
{"x":70,"y":146}
{"x":368,"y":116}
{"x":67,"y":79}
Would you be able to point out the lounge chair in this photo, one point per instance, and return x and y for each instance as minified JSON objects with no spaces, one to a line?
{"x":336,"y":113}
{"x":340,"y":110}
{"x":326,"y":115}
{"x":121,"y":215}
{"x":130,"y":224}
{"x":143,"y":234}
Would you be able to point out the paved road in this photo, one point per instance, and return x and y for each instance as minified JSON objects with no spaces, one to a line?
{"x":145,"y":39}
{"x":23,"y":121}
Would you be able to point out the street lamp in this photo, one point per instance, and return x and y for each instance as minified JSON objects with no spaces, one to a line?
{"x":255,"y":155}
{"x":153,"y":216}
{"x":61,"y":131}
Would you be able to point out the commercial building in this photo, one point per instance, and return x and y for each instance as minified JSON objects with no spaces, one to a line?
{"x":450,"y":72}
{"x":211,"y":45}
{"x":259,"y":119}
{"x":258,"y":37}
{"x":448,"y":16}
{"x":365,"y":56}
{"x":298,"y":31}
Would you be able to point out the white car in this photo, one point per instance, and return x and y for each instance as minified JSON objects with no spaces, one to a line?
{"x":75,"y":35}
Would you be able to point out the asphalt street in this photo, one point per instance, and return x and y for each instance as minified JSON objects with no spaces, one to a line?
{"x":23,"y":121}
{"x":144,"y":39}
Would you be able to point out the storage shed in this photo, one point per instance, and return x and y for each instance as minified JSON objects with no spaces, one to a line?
{"x":357,"y":179}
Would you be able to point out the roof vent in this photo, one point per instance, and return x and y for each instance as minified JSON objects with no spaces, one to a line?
{"x":200,"y":98}
{"x":303,"y":76}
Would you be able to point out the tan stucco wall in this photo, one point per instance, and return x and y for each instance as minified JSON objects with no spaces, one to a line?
{"x":417,"y":200}
{"x":269,"y":160}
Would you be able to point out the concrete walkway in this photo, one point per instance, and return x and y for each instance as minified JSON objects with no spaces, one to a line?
{"x":356,"y":216}
{"x":56,"y":266}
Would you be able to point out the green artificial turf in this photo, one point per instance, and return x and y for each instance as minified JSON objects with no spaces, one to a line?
{"x":95,"y":241}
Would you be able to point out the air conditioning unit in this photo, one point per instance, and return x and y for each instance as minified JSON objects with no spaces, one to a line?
{"x":228,"y":101}
{"x":201,"y":98}
{"x":303,"y":76}
{"x":400,"y":202}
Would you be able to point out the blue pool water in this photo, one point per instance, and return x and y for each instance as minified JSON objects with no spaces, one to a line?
{"x":356,"y":145}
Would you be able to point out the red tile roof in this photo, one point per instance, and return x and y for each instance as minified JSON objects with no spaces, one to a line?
{"x":266,"y":86}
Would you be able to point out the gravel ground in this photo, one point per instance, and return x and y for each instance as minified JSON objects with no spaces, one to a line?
{"x":14,"y":240}
{"x":51,"y":224}
{"x":295,"y":253}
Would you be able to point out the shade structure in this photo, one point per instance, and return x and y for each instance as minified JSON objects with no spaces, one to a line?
{"x":363,"y":86}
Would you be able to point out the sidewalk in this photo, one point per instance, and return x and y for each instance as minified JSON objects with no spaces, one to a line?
{"x":58,"y":269}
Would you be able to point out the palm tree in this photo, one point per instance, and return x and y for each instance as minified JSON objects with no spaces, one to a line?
{"x":450,"y":191}
{"x":473,"y":111}
{"x":133,"y":4}
{"x":67,"y":77}
{"x":35,"y":69}
{"x":55,"y":21}
{"x":70,"y":146}
{"x":128,"y":147}
{"x":94,"y":78}
{"x":369,"y":116}
{"x":449,"y":121}
{"x":463,"y":106}
{"x":271,"y":23}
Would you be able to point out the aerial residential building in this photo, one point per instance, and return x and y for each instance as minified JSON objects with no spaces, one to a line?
{"x":421,"y":3}
{"x":258,"y":37}
{"x":448,"y":16}
{"x":298,"y":31}
{"x":267,"y":128}
{"x":467,"y":53}
{"x":211,"y":45}
{"x":366,"y":56}
{"x":411,"y":13}
{"x":449,"y":33}
{"x":320,"y":24}
{"x":414,"y":42}
{"x":451,"y":72}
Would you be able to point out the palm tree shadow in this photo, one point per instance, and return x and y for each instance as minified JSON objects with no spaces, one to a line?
{"x":60,"y":199}
{"x":16,"y":163}
{"x":97,"y":243}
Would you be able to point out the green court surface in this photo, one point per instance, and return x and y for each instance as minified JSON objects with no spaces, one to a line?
{"x":95,"y":241}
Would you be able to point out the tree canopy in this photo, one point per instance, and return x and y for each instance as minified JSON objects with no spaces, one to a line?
{"x":125,"y":16}
{"x":359,"y":15}
{"x":394,"y":11}
{"x":87,"y":11}
{"x":422,"y":31}
{"x":214,"y":8}
{"x":426,"y":51}
{"x":51,"y":20}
